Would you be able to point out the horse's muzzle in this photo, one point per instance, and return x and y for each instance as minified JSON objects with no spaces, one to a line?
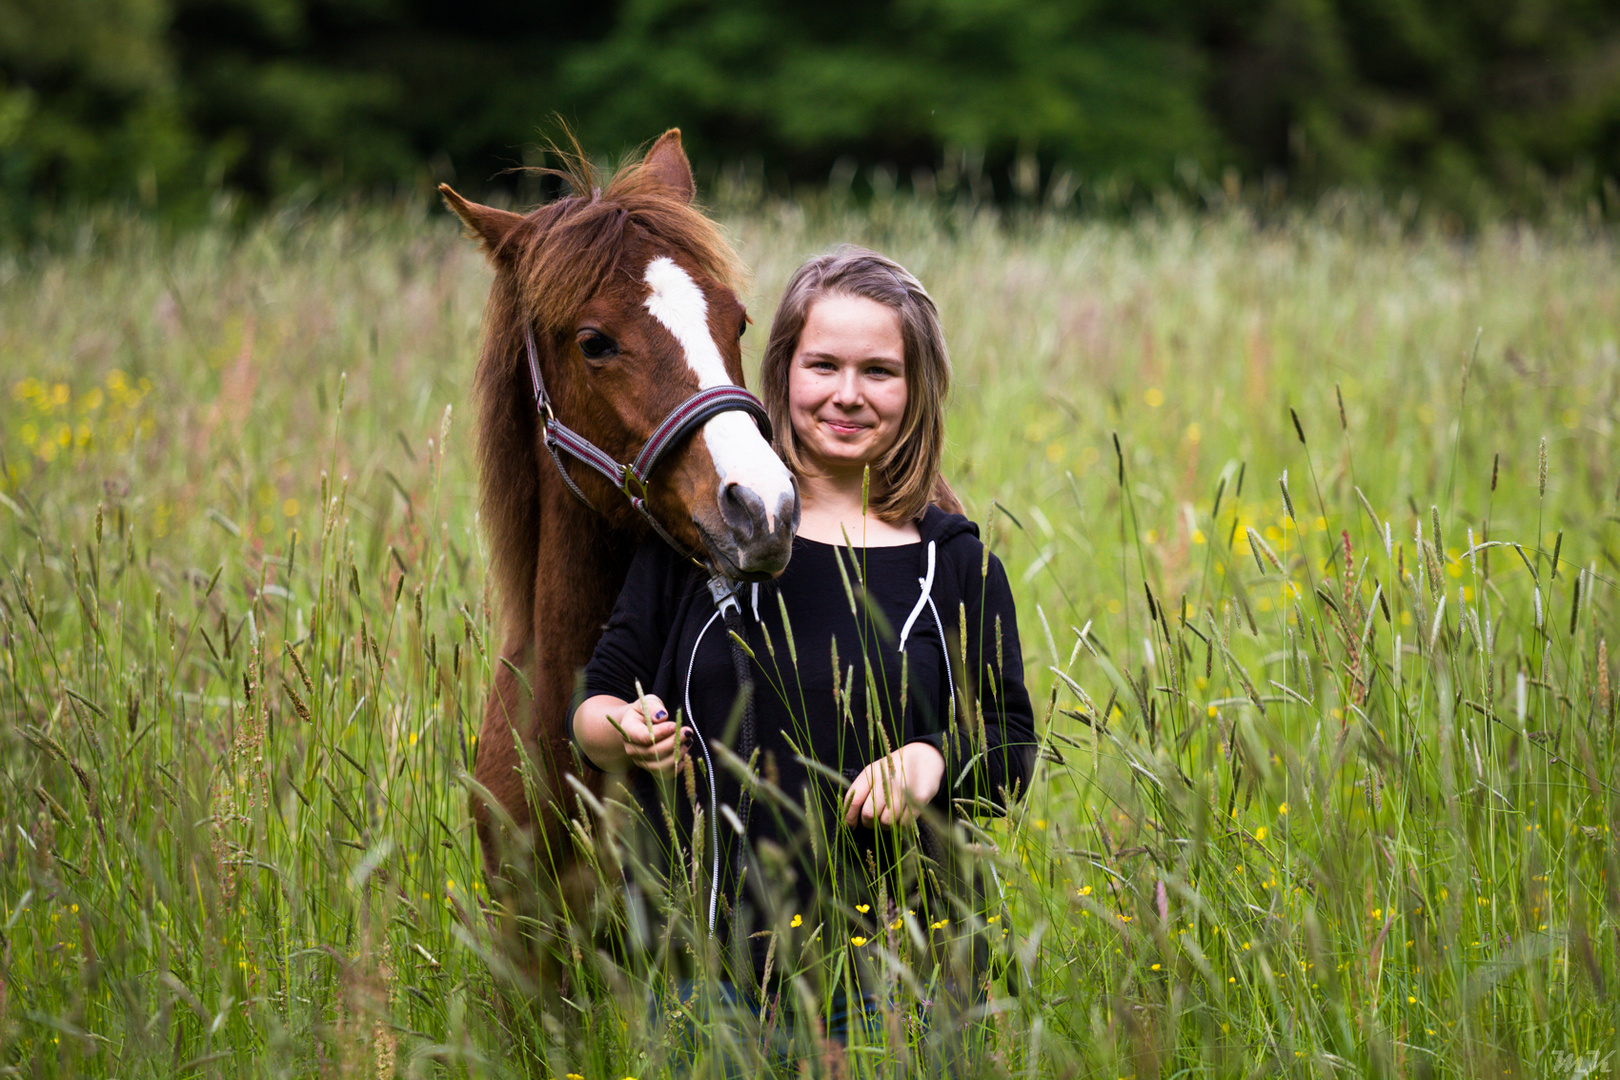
{"x":757,"y":539}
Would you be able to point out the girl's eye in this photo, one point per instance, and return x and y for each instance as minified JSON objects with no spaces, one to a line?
{"x":596,"y":345}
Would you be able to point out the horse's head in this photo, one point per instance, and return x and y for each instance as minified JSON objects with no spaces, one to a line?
{"x":626,"y":294}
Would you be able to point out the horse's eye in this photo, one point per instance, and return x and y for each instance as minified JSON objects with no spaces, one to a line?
{"x":596,"y":345}
{"x":742,"y":329}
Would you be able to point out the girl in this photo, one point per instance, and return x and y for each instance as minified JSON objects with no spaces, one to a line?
{"x":868,"y":704}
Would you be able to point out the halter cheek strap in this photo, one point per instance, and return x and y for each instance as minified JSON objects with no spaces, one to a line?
{"x":634,"y":479}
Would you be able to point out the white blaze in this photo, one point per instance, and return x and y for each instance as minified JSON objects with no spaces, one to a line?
{"x":739,"y":451}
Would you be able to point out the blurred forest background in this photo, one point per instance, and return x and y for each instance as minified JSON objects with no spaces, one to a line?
{"x":187,"y":106}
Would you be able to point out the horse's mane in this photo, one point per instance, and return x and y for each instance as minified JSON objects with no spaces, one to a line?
{"x":553,"y":263}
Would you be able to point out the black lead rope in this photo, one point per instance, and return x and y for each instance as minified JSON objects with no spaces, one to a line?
{"x":731,"y":611}
{"x":747,"y":738}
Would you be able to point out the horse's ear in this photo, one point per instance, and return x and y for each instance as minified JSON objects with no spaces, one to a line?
{"x":667,"y":161}
{"x":492,"y":226}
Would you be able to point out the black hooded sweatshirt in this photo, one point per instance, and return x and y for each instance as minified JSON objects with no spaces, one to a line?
{"x":854,"y":652}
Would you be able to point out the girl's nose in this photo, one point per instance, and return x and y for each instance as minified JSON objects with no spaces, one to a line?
{"x":848,"y":389}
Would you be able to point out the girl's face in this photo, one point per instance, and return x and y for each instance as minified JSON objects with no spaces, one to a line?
{"x":847,"y":383}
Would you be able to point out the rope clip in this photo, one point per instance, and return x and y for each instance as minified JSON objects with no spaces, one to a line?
{"x":724,"y":592}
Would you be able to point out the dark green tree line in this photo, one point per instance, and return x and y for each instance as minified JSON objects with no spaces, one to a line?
{"x":168,"y":102}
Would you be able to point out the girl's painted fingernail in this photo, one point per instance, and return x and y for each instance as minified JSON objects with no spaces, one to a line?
{"x":660,"y":714}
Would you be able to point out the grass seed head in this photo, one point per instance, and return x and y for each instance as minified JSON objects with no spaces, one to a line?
{"x":1575,"y":602}
{"x":1366,"y":506}
{"x":1605,"y":694}
{"x":1257,"y":545}
{"x":298,"y":702}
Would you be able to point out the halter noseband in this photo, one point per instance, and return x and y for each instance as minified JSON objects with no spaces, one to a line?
{"x":635,"y":478}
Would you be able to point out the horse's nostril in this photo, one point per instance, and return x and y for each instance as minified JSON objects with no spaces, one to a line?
{"x":743,"y":510}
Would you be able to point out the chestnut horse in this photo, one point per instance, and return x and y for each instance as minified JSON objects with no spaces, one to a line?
{"x":612,"y":312}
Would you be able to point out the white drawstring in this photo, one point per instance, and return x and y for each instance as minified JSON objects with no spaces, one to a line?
{"x":927,"y":583}
{"x":926,"y":600}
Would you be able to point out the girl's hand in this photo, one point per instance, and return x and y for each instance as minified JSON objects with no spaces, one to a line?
{"x":652,"y":741}
{"x":891,"y":790}
{"x":617,"y":734}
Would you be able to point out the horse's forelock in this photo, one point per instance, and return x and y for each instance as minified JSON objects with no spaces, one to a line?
{"x":572,"y":246}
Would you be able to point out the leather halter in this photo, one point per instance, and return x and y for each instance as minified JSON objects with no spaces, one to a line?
{"x":634,"y":479}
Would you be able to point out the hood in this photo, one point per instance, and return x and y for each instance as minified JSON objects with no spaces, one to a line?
{"x":938,"y":526}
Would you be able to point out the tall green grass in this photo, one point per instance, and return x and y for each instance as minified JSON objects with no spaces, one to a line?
{"x":1312,"y":526}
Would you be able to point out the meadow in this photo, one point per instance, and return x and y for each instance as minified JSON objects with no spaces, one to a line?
{"x":1312,"y":523}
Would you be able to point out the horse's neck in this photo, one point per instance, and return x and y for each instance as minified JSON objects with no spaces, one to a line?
{"x":580,"y":566}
